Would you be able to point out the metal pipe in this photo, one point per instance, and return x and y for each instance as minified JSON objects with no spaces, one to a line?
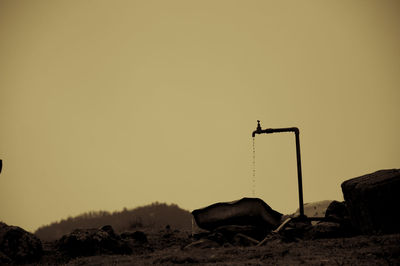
{"x":299,"y":175}
{"x":296,"y":131}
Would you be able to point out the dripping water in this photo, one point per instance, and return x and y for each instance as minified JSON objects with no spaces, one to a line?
{"x":254,"y":168}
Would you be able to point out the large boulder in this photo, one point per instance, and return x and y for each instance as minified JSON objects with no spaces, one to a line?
{"x":372,"y":201}
{"x":247,"y":211}
{"x":89,"y":242}
{"x":18,"y":245}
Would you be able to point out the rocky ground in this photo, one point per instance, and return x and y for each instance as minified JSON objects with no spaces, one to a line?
{"x":169,"y":248}
{"x":299,"y":242}
{"x":363,"y":230}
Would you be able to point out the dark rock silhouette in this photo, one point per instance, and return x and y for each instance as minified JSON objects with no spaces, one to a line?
{"x":18,"y":245}
{"x":372,"y":201}
{"x":336,"y":211}
{"x":139,"y":236}
{"x":89,"y":242}
{"x":247,"y":211}
{"x":325,"y":230}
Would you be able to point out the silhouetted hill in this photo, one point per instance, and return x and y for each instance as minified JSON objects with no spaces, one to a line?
{"x":155,"y":215}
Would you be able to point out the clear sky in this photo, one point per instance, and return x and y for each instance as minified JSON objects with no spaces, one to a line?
{"x":113,"y":104}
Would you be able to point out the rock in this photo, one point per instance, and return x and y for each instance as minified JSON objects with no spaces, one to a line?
{"x":138,"y":236}
{"x":18,"y":245}
{"x":89,"y":242}
{"x":372,"y":201}
{"x":229,"y":231}
{"x":137,"y":242}
{"x":336,"y":211}
{"x":247,"y":211}
{"x":325,"y":230}
{"x":109,"y":230}
{"x":295,"y":228}
{"x":218,"y":237}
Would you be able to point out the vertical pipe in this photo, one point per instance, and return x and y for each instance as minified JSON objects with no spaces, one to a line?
{"x":301,"y":207}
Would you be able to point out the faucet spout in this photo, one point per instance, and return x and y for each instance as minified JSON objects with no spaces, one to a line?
{"x":258,"y":129}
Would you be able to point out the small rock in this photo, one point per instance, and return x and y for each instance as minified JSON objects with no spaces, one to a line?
{"x":109,"y":230}
{"x":336,"y":211}
{"x":325,"y":230}
{"x":138,"y":236}
{"x":218,"y":237}
{"x":296,"y":228}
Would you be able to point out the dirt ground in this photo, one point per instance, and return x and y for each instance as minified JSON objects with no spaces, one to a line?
{"x":171,"y":250}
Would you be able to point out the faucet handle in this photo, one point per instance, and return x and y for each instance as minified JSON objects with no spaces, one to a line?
{"x":258,"y":125}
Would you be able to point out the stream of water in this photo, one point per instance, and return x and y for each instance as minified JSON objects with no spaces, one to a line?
{"x":254,"y":169}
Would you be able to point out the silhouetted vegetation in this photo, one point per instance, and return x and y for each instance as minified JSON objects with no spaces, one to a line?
{"x":155,"y":215}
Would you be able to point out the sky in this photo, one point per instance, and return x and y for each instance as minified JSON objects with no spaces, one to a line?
{"x":113,"y":104}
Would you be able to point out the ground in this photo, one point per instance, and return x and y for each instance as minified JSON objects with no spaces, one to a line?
{"x":170,"y":250}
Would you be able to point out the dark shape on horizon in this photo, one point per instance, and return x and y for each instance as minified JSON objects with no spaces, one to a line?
{"x":90,"y":242}
{"x":246,"y":211}
{"x":372,"y":201}
{"x":18,"y":245}
{"x":1,"y":164}
{"x":296,"y":131}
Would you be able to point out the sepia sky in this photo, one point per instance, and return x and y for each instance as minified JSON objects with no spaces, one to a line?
{"x":113,"y":104}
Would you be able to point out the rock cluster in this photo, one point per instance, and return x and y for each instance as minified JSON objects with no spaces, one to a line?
{"x":247,"y":233}
{"x":89,"y":242}
{"x":18,"y":245}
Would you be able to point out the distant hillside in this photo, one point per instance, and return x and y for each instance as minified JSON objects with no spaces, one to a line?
{"x":155,"y":215}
